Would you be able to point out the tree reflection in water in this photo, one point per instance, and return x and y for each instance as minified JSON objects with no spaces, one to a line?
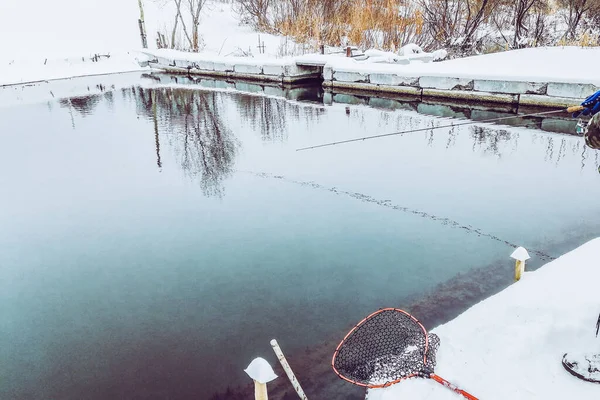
{"x":84,"y":105}
{"x":271,"y":116}
{"x":205,"y":146}
{"x":192,"y":121}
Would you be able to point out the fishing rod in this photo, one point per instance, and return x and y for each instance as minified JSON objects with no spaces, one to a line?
{"x":569,"y":110}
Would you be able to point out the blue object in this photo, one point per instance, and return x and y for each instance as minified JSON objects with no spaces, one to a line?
{"x":591,"y":104}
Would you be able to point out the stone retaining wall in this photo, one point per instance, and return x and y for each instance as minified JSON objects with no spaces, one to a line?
{"x":544,"y":94}
{"x":268,"y":71}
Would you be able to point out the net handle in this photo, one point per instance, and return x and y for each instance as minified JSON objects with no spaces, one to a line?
{"x":452,"y":387}
{"x":337,"y":349}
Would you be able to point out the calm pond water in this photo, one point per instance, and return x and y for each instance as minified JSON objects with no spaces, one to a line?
{"x":154,"y":239}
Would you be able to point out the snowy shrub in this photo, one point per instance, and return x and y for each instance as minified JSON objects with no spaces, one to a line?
{"x":463,"y":27}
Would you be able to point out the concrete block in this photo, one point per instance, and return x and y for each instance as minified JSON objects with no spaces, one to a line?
{"x":343,"y":76}
{"x":248,"y":69}
{"x":548,"y":101}
{"x":471,"y":95}
{"x":182,"y":63}
{"x":559,"y":125}
{"x":512,"y":87}
{"x":209,"y":83}
{"x":276,"y":70}
{"x":248,"y":87}
{"x":163,"y":61}
{"x":439,"y":110}
{"x":389,"y":104}
{"x":349,"y":99}
{"x":297,"y":70}
{"x":484,"y":115}
{"x":224,"y":85}
{"x":393,"y":80}
{"x":204,"y":65}
{"x":224,"y":66}
{"x":275,"y":91}
{"x":571,"y":90}
{"x":445,"y":83}
{"x":408,"y":91}
{"x":300,"y":94}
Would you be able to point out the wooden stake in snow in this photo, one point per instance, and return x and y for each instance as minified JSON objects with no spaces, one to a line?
{"x":288,"y":369}
{"x":520,"y":255}
{"x":142,"y":24}
{"x":262,"y":373}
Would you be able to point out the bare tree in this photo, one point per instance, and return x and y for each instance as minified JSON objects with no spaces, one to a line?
{"x":575,"y":10}
{"x":257,"y":11}
{"x":195,"y":7}
{"x":177,"y":16}
{"x":522,"y":9}
{"x":187,"y":16}
{"x":477,"y":12}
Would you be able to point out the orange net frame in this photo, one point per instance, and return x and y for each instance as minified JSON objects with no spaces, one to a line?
{"x":387,"y":347}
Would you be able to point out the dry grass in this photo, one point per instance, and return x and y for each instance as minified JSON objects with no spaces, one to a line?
{"x":368,"y":23}
{"x":462,"y":26}
{"x":586,"y":39}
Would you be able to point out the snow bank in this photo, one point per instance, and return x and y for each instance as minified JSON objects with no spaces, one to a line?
{"x":220,"y":29}
{"x":33,"y":70}
{"x":542,"y":64}
{"x":510,"y":345}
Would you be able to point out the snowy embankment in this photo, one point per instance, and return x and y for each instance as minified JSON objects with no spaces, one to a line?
{"x":54,"y":44}
{"x":51,"y":42}
{"x":44,"y":69}
{"x":510,"y":346}
{"x":540,"y":64}
{"x":220,"y":30}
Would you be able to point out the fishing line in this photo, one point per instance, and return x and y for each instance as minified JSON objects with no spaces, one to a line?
{"x":388,"y":204}
{"x":453,"y":125}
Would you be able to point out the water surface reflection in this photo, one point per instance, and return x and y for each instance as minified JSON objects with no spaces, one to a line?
{"x":158,"y":237}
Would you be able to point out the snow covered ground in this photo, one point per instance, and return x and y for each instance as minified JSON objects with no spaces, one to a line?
{"x":541,"y":64}
{"x":26,"y":71}
{"x":50,"y":42}
{"x":221,"y":31}
{"x":510,"y":346}
{"x":44,"y":40}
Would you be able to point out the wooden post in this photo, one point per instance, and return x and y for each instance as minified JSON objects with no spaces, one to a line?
{"x":142,"y":24}
{"x":519,"y":269}
{"x":322,"y":48}
{"x":348,"y":51}
{"x":520,"y":255}
{"x":260,"y":391}
{"x":288,"y":369}
{"x":261,"y":372}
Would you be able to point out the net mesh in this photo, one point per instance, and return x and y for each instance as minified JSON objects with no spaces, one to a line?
{"x":592,"y":137}
{"x":388,"y":346}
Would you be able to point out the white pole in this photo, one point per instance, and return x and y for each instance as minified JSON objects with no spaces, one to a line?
{"x":288,"y":369}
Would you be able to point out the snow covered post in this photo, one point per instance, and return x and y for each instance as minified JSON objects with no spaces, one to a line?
{"x":288,"y":369}
{"x":520,"y":255}
{"x":262,"y":373}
